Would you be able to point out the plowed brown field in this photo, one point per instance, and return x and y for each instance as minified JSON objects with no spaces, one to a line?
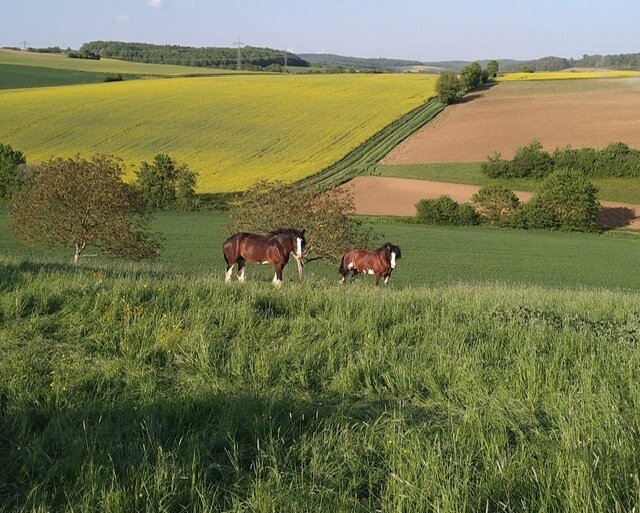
{"x":374,"y":195}
{"x":507,"y":116}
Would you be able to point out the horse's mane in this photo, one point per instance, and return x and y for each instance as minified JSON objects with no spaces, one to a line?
{"x":381,"y":248}
{"x":285,"y":231}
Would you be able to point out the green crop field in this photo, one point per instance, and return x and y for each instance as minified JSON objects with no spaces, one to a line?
{"x":232,"y":130}
{"x":431,"y":255}
{"x":62,"y":62}
{"x":18,"y":77}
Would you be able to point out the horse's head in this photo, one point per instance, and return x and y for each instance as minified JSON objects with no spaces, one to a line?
{"x":393,"y":253}
{"x":293,"y":239}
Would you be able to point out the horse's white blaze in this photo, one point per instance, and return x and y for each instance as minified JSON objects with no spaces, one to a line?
{"x":393,"y":260}
{"x":299,"y":246}
{"x":227,"y":275}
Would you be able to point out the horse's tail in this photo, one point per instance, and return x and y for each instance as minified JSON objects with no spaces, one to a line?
{"x":342,"y":269}
{"x":229,"y":248}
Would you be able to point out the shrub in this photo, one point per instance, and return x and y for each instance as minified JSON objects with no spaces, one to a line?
{"x":445,"y":211}
{"x":566,"y":200}
{"x":495,"y":204}
{"x":495,"y":166}
{"x":530,"y":162}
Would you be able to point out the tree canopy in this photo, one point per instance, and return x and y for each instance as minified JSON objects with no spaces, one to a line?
{"x":448,"y":87}
{"x":10,"y":159}
{"x":164,"y":184}
{"x":80,"y":203}
{"x":326,"y":217}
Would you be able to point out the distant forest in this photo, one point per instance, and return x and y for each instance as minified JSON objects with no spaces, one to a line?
{"x":207,"y":57}
{"x":328,"y":60}
{"x":624,"y":61}
{"x":628,"y":61}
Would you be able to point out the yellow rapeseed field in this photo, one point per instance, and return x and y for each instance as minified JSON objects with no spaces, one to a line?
{"x":567,"y":75}
{"x":232,"y":130}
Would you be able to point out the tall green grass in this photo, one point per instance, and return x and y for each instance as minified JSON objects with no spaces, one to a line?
{"x":135,"y":390}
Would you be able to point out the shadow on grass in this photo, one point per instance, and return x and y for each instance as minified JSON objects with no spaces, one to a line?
{"x":50,"y":448}
{"x":615,"y":217}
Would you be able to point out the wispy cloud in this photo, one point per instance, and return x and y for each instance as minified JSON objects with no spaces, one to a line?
{"x":154,"y":3}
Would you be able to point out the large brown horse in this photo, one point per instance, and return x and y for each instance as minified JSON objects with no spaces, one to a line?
{"x":273,"y":248}
{"x":380,"y":262}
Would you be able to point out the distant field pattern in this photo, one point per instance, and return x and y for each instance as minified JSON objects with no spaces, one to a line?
{"x":568,"y":75}
{"x":231,"y":130}
{"x":508,"y":115}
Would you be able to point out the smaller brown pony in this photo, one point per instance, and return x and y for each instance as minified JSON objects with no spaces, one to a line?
{"x":380,"y":262}
{"x":273,"y":248}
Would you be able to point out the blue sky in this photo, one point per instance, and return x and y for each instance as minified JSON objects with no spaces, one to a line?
{"x":411,"y":29}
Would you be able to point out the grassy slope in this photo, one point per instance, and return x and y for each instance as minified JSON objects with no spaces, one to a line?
{"x":431,"y":255}
{"x":58,"y":61}
{"x":232,"y":130}
{"x":626,"y":190}
{"x":18,"y":77}
{"x":139,"y":391}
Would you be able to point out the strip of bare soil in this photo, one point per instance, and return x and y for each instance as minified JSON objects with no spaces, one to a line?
{"x":375,"y":195}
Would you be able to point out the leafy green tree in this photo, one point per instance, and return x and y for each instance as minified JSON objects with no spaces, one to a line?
{"x":326,"y":216}
{"x":82,"y":203}
{"x":492,"y":68}
{"x":495,"y":204}
{"x":10,"y":159}
{"x":448,"y":87}
{"x":566,"y":200}
{"x":471,"y":76}
{"x":165,"y":185}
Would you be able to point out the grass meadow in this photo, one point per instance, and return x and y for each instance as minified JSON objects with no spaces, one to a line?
{"x":18,"y":77}
{"x":126,"y":389}
{"x":496,"y":372}
{"x":112,"y":66}
{"x":231,"y":130}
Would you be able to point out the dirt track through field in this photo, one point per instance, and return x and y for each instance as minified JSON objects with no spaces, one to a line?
{"x":582,"y":113}
{"x":374,"y":195}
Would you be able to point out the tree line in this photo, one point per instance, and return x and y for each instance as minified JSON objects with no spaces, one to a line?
{"x":451,"y":86}
{"x":207,"y":57}
{"x":85,"y":205}
{"x":565,"y":200}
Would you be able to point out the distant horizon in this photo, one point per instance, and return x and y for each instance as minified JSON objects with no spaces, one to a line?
{"x":65,"y":47}
{"x":460,"y":30}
